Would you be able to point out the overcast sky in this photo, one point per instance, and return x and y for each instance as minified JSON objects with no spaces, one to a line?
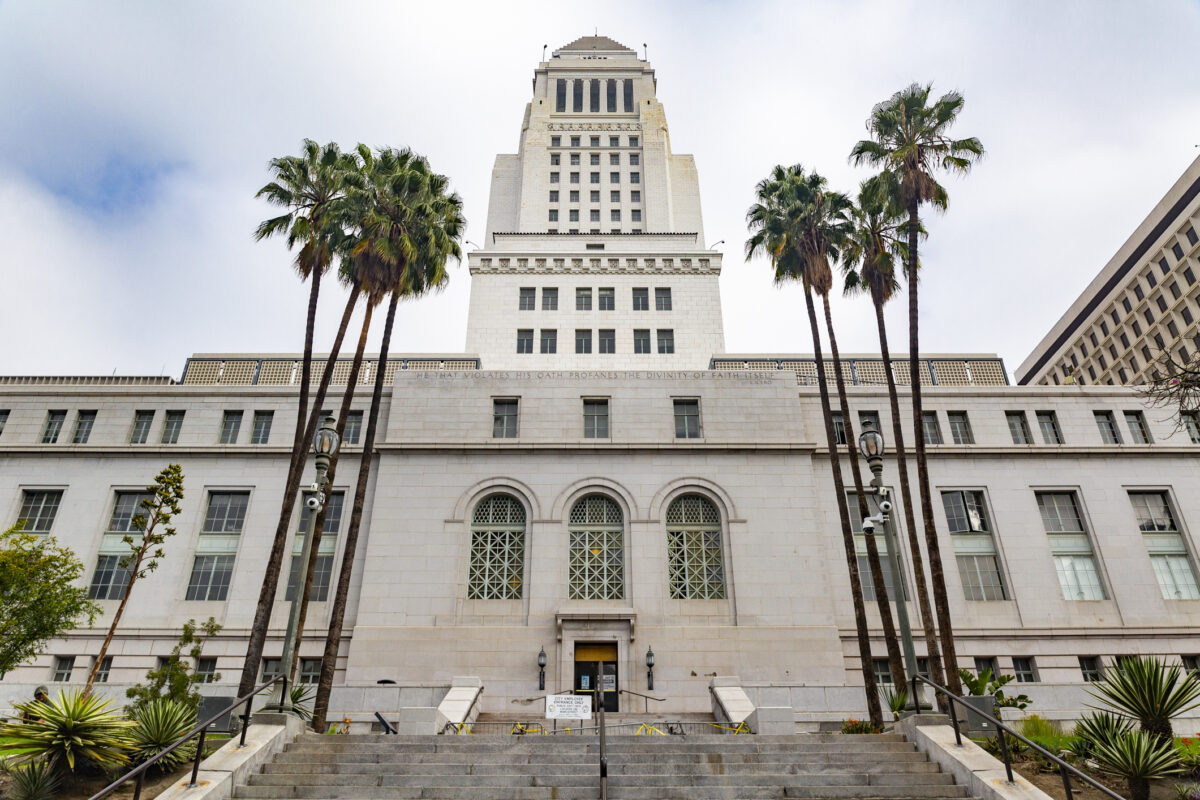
{"x":134,"y":135}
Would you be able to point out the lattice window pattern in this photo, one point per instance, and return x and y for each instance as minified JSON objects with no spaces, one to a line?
{"x":240,"y":373}
{"x":596,"y":561}
{"x":276,"y":372}
{"x":951,"y":373}
{"x":202,"y":371}
{"x":695,"y":563}
{"x":497,"y":565}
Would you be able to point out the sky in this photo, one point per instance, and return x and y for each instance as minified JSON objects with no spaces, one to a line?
{"x":133,"y":137}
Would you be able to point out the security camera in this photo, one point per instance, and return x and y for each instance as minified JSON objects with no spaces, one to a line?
{"x":313,"y":502}
{"x":885,"y":506}
{"x":868,"y":525}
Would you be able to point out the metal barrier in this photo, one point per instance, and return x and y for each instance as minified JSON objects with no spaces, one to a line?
{"x":138,"y":773}
{"x":656,"y":728}
{"x":1002,"y":730}
{"x":603,"y":745}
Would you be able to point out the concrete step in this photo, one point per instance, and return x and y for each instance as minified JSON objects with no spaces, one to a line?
{"x":792,"y":738}
{"x":703,"y":767}
{"x":657,"y":745}
{"x":912,"y":755}
{"x":615,"y":779}
{"x":588,"y":792}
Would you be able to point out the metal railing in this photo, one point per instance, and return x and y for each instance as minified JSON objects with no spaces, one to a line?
{"x":603,"y":746}
{"x":1002,"y":731}
{"x":647,"y":698}
{"x":138,"y":773}
{"x":387,"y":728}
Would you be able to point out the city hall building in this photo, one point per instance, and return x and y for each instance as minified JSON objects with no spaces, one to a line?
{"x":597,"y":477}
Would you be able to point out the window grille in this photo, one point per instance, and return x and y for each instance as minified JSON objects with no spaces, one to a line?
{"x":596,"y":561}
{"x":497,"y":566}
{"x":310,"y":671}
{"x":695,"y":562}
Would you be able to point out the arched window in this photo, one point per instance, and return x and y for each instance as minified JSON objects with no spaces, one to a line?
{"x":596,"y":564}
{"x":695,"y":564}
{"x":497,"y":566}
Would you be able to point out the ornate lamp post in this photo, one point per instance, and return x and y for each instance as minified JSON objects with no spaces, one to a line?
{"x":870,"y":445}
{"x":649,"y":669}
{"x":325,"y":445}
{"x":542,"y":670}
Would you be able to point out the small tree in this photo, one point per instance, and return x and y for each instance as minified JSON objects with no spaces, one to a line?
{"x":1174,"y":384}
{"x":38,"y":596}
{"x":175,"y":679}
{"x":145,"y":549}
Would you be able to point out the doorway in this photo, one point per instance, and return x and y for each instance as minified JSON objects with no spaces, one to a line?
{"x":592,"y":660}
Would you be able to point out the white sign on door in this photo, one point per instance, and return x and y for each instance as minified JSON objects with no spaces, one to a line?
{"x":610,"y":683}
{"x":568,"y":706}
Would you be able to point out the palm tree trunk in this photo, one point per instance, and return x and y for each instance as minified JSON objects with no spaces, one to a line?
{"x":299,"y":458}
{"x":135,"y":567}
{"x":835,"y":466}
{"x":333,"y":638}
{"x":937,"y":576}
{"x":914,"y":544}
{"x":343,"y":413}
{"x":895,"y":660}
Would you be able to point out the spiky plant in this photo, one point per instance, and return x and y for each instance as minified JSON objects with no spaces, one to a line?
{"x":75,"y":727}
{"x":302,"y":697}
{"x":896,"y":699}
{"x":37,"y":780}
{"x":1138,"y":757}
{"x":1102,"y":727}
{"x":157,"y":725}
{"x":1150,"y":692}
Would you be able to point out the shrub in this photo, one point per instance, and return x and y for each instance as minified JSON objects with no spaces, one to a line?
{"x":157,"y":725}
{"x":859,"y":726}
{"x":1034,"y":727}
{"x":37,"y":780}
{"x":1188,"y":751}
{"x":301,"y":696}
{"x":1137,"y":756}
{"x":76,"y":726}
{"x":1096,"y":728}
{"x":175,"y":679}
{"x":984,"y":684}
{"x":896,"y":699}
{"x":1187,"y":791}
{"x":1149,"y":692}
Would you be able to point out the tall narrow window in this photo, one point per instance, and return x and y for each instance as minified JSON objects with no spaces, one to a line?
{"x":206,"y":670}
{"x":53,"y":426}
{"x":560,"y":96}
{"x":866,"y":576}
{"x":261,"y":433}
{"x":496,"y":570}
{"x":695,"y":562}
{"x":213,"y":567}
{"x":83,"y":427}
{"x":594,"y":96}
{"x":1107,"y":424}
{"x":1168,"y":552}
{"x":63,"y":667}
{"x":171,"y":427}
{"x":687,"y":419}
{"x":974,"y":547}
{"x":105,"y":670}
{"x":960,"y":427}
{"x":627,"y":92}
{"x":550,"y":299}
{"x":326,"y":549}
{"x":1191,"y":423}
{"x":577,"y":97}
{"x":1071,"y":547}
{"x":231,"y":424}
{"x":353,"y":430}
{"x":310,"y":671}
{"x":641,"y":299}
{"x":931,"y":428}
{"x":595,"y":418}
{"x":607,"y":341}
{"x":128,"y":519}
{"x":1018,"y":427}
{"x":596,"y":556}
{"x":839,"y":428}
{"x":583,"y":341}
{"x":1048,"y":424}
{"x":38,"y":509}
{"x":549,"y":341}
{"x":606,"y":299}
{"x":641,"y":341}
{"x":662,"y":299}
{"x":583,"y":299}
{"x":3,"y":419}
{"x":611,"y":95}
{"x":504,"y":418}
{"x":1139,"y":433}
{"x":140,"y":433}
{"x":666,"y":341}
{"x":525,"y":340}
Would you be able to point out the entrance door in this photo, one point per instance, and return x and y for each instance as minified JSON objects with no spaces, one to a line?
{"x":592,"y":660}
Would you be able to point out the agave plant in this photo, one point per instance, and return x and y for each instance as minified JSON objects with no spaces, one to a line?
{"x":1137,"y":756}
{"x":76,"y":726}
{"x":37,"y":780}
{"x":1102,"y":727}
{"x":156,"y":726}
{"x":301,"y":696}
{"x":897,"y":701}
{"x":1150,"y":692}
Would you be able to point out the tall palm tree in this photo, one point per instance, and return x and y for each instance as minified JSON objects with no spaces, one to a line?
{"x":410,"y":226}
{"x":869,"y":265}
{"x":909,"y":140}
{"x":775,"y":230}
{"x":312,"y":187}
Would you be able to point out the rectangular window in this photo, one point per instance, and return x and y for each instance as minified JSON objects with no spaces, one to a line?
{"x":607,"y":341}
{"x":1048,"y":424}
{"x":1178,"y":251}
{"x":574,"y":141}
{"x":1167,"y":550}
{"x":3,"y":420}
{"x":614,"y":177}
{"x":987,"y":664}
{"x":635,"y":196}
{"x":594,"y":197}
{"x":635,"y":177}
{"x":1018,"y":427}
{"x":960,"y":427}
{"x":974,"y":546}
{"x":353,"y":428}
{"x":326,"y":548}
{"x":1191,"y":423}
{"x":614,"y":160}
{"x":1072,"y":549}
{"x":930,"y":427}
{"x":595,"y":177}
{"x":583,"y":341}
{"x":525,"y":340}
{"x":63,"y":667}
{"x":231,"y":424}
{"x":666,"y":341}
{"x":883,"y":667}
{"x":554,"y":177}
{"x":641,"y":299}
{"x":594,"y":159}
{"x":606,"y":299}
{"x":554,"y":160}
{"x":594,"y":96}
{"x":1091,"y":668}
{"x":634,"y":159}
{"x":550,"y":299}
{"x":226,"y":513}
{"x":84,"y":421}
{"x":614,"y":196}
{"x":261,"y":432}
{"x":310,"y":671}
{"x":594,"y":215}
{"x":627,"y":95}
{"x":614,"y":215}
{"x":576,"y":104}
{"x":574,"y":159}
{"x":839,"y":428}
{"x":687,"y":419}
{"x":110,"y":578}
{"x":641,"y":341}
{"x":595,"y":419}
{"x":549,"y":340}
{"x":636,"y":215}
{"x":1108,"y":427}
{"x":128,"y":519}
{"x":105,"y":669}
{"x":38,"y":509}
{"x":1191,"y":664}
{"x":560,"y":103}
{"x":1139,"y":433}
{"x":614,"y":141}
{"x":270,"y":669}
{"x":172,"y":427}
{"x":575,"y":198}
{"x":504,"y":418}
{"x":1024,"y":669}
{"x":575,"y":177}
{"x":574,"y":215}
{"x":583,"y":299}
{"x":662,"y":299}
{"x":210,"y":578}
{"x":553,"y":215}
{"x":53,"y":426}
{"x":206,"y":670}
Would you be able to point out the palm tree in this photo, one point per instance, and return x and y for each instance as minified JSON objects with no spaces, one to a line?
{"x":409,"y":227}
{"x":312,"y":187}
{"x":909,"y":141}
{"x":868,"y":261}
{"x":781,"y":202}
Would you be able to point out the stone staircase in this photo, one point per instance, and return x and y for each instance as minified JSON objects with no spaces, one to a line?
{"x":530,"y":767}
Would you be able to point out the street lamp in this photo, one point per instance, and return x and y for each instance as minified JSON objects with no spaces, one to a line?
{"x":325,"y":445}
{"x":870,"y":445}
{"x":542,"y":670}
{"x":649,"y":669}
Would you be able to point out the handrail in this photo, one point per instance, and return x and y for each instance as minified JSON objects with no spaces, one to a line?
{"x":387,"y":728}
{"x":648,"y":697}
{"x":139,"y":772}
{"x":1064,"y":769}
{"x":603,"y":746}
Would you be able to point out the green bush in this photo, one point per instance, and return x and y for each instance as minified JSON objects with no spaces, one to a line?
{"x":1033,"y":727}
{"x":37,"y":780}
{"x":1138,"y":757}
{"x":859,"y":726}
{"x":1148,"y":691}
{"x":157,"y":725}
{"x":984,"y":684}
{"x":74,"y":727}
